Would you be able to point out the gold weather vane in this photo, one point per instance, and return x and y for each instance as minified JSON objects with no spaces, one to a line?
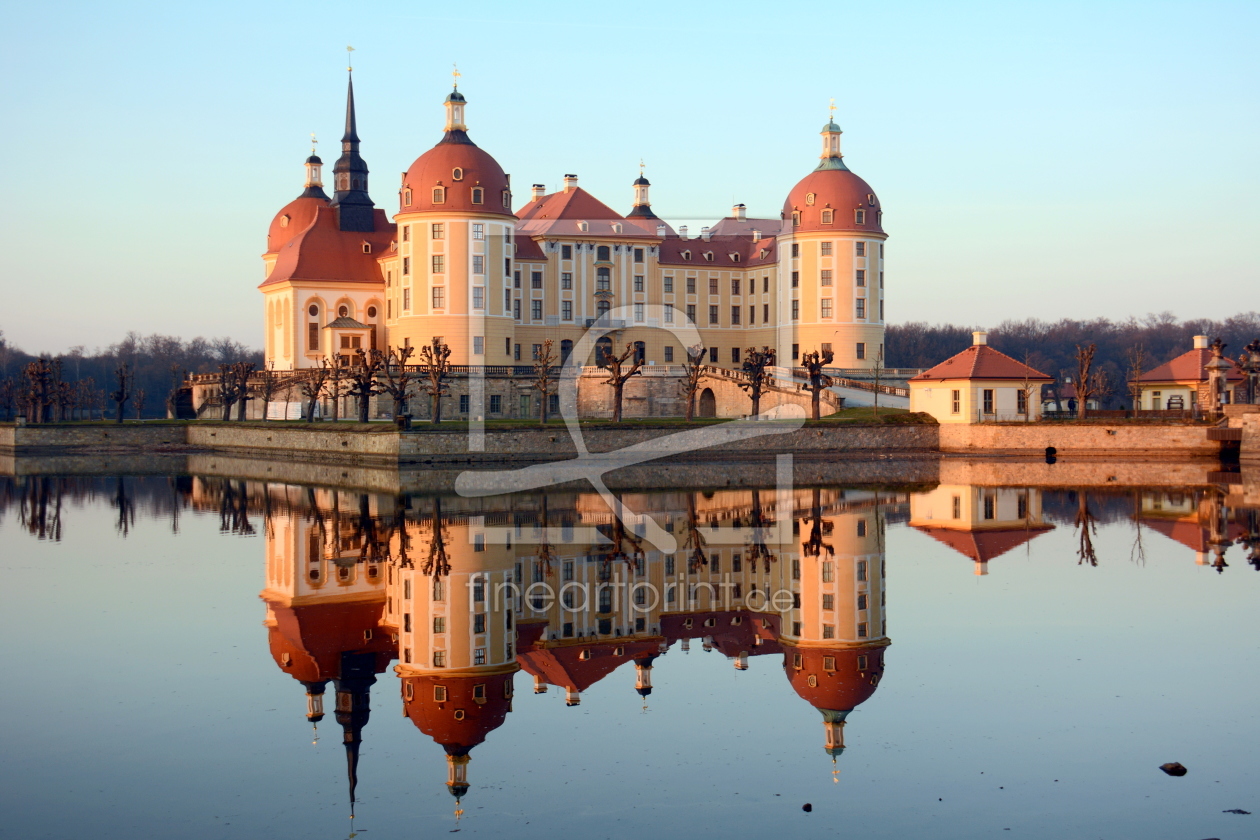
{"x":349,"y":65}
{"x":640,"y":167}
{"x":455,"y":74}
{"x":832,"y":109}
{"x":314,"y":142}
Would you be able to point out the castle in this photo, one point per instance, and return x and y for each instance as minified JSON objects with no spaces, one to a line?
{"x":459,"y":263}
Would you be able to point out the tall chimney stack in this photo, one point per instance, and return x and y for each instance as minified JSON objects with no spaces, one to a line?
{"x":570,"y":183}
{"x":539,"y":190}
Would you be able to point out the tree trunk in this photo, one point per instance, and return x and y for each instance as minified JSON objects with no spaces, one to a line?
{"x":266,"y":401}
{"x":617,"y":388}
{"x":240,"y":410}
{"x":816,"y":399}
{"x":310,"y":409}
{"x":437,"y":408}
{"x":542,"y":409}
{"x":118,"y":415}
{"x":756,"y":404}
{"x":363,"y":408}
{"x":227,"y":411}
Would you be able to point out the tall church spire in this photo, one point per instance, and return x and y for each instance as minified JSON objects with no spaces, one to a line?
{"x":350,"y":176}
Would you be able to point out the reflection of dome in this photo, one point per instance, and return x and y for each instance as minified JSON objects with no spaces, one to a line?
{"x":835,"y":681}
{"x":458,"y":712}
{"x":307,"y":642}
{"x":834,"y":188}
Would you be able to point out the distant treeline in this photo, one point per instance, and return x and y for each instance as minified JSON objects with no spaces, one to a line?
{"x":1051,"y":346}
{"x":155,"y":361}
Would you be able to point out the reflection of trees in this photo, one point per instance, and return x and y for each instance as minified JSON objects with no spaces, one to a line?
{"x":814,"y":546}
{"x":546,"y":552}
{"x":695,"y":543}
{"x":1137,"y":554}
{"x":125,"y":505}
{"x":372,"y":539}
{"x":757,"y":549}
{"x":623,"y":546}
{"x":437,"y":564}
{"x":234,"y":509}
{"x":398,"y":533}
{"x":1249,"y":521}
{"x":1087,"y":529}
{"x":39,"y":507}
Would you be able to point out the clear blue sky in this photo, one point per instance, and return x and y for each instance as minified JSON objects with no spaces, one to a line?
{"x":1033,"y":159}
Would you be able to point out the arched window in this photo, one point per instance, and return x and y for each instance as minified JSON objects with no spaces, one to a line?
{"x":407,"y":198}
{"x":601,"y":308}
{"x":457,"y":174}
{"x":439,"y":195}
{"x":603,"y":254}
{"x":603,"y":349}
{"x":566,"y":349}
{"x":478,"y":195}
{"x":640,"y":352}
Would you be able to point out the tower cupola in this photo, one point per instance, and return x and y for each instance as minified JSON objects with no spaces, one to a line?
{"x":455,"y":104}
{"x":355,"y":210}
{"x":642,"y":204}
{"x":314,"y":180}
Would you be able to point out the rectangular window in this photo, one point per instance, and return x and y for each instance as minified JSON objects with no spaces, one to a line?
{"x":824,"y":249}
{"x":861,"y":350}
{"x":828,"y":571}
{"x":669,"y":354}
{"x":479,"y":656}
{"x":439,"y":297}
{"x":765,"y":285}
{"x":881,"y":250}
{"x":479,"y":297}
{"x":439,"y":625}
{"x":691,"y":285}
{"x":955,"y":399}
{"x":691,"y":312}
{"x":796,"y":310}
{"x":735,"y":285}
{"x":389,"y":309}
{"x":439,"y":659}
{"x":796,"y":279}
{"x":669,"y":314}
{"x":463,"y":403}
{"x":713,"y":314}
{"x":566,"y":310}
{"x":439,"y":264}
{"x":826,"y":277}
{"x":479,"y":623}
{"x":479,"y":345}
{"x":859,"y":249}
{"x":638,"y":282}
{"x":535,"y":279}
{"x":752,"y":315}
{"x":479,"y":231}
{"x":825,"y":347}
{"x":1021,"y":401}
{"x":516,"y":352}
{"x":829,"y":602}
{"x":516,"y":279}
{"x":638,"y":313}
{"x":861,"y":570}
{"x":312,"y":336}
{"x":734,"y":361}
{"x":406,"y":301}
{"x":437,"y":231}
{"x":566,"y":252}
{"x":861,"y":277}
{"x":406,"y":266}
{"x":796,"y":351}
{"x":859,"y":217}
{"x":861,"y":307}
{"x":535,"y":310}
{"x":496,"y":404}
{"x":796,"y":249}
{"x":861,"y":527}
{"x":638,"y":255}
{"x":988,"y":400}
{"x":406,"y":233}
{"x":516,"y":309}
{"x":566,"y":280}
{"x":713,"y":285}
{"x":825,"y":311}
{"x":881,"y":310}
{"x":669,"y":285}
{"x":735,"y":312}
{"x":829,"y":631}
{"x":713,"y":351}
{"x":861,"y":625}
{"x":479,"y":264}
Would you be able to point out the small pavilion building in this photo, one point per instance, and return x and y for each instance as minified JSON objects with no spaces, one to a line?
{"x":979,"y":385}
{"x":1185,"y":382}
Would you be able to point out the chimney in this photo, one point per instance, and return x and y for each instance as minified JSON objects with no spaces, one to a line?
{"x":682,"y":231}
{"x":660,"y":230}
{"x":539,"y":191}
{"x":704,"y":233}
{"x":756,"y":235}
{"x":1200,"y":342}
{"x":979,"y":338}
{"x":739,"y":211}
{"x":570,"y":183}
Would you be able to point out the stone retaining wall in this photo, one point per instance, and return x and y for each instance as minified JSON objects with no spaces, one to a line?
{"x":76,"y":436}
{"x":1121,"y":440}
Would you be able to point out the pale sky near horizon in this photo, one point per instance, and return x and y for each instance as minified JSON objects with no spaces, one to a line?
{"x":1034,"y":159}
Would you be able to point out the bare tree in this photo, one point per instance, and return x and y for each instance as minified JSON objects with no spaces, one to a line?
{"x":877,"y":371}
{"x":544,"y":381}
{"x":336,"y":373}
{"x":242,"y":371}
{"x":172,"y":393}
{"x":37,"y":391}
{"x":436,"y":360}
{"x":816,"y":381}
{"x":1085,"y":379}
{"x":395,"y":377}
{"x":268,"y":386}
{"x":363,"y":379}
{"x":617,"y":377}
{"x":1136,"y":357}
{"x":756,"y":369}
{"x":313,"y":387}
{"x":227,"y":389}
{"x":1028,"y":388}
{"x":139,"y":403}
{"x":692,"y":371}
{"x":120,"y":395}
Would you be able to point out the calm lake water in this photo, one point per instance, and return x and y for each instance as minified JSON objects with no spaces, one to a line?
{"x":197,"y":657}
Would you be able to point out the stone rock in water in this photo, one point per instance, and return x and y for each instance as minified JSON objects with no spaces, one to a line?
{"x":1174,"y":768}
{"x":807,"y":807}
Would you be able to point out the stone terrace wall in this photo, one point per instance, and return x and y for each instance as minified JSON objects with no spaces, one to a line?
{"x":1070,"y":439}
{"x":1089,"y":472}
{"x":93,"y":437}
{"x":353,"y":444}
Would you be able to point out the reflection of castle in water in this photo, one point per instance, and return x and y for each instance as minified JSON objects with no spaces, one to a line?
{"x":559,"y":588}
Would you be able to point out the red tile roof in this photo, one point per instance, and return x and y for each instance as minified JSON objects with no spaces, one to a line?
{"x":980,"y":361}
{"x":984,"y":546}
{"x":322,"y":251}
{"x":1188,"y":367}
{"x":839,"y":190}
{"x":674,"y":249}
{"x":560,"y":213}
{"x":316,"y":635}
{"x":528,"y":248}
{"x":437,"y":166}
{"x":437,"y":719}
{"x":563,"y":665}
{"x":838,"y":690}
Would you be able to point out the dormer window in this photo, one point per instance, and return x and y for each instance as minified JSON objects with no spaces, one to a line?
{"x":870,"y":199}
{"x":583,"y":226}
{"x":367,"y":247}
{"x":507,"y":199}
{"x":284,"y":221}
{"x":809,"y":199}
{"x":439,"y":195}
{"x":686,"y":255}
{"x":478,"y":195}
{"x":406,"y":198}
{"x":457,"y":174}
{"x":796,"y":218}
{"x":827,"y":217}
{"x":859,"y":217}
{"x":762,"y":253}
{"x":616,"y":228}
{"x":708,"y":255}
{"x":734,"y":257}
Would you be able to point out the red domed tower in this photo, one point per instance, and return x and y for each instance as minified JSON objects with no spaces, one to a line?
{"x":832,"y":254}
{"x":454,"y":252}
